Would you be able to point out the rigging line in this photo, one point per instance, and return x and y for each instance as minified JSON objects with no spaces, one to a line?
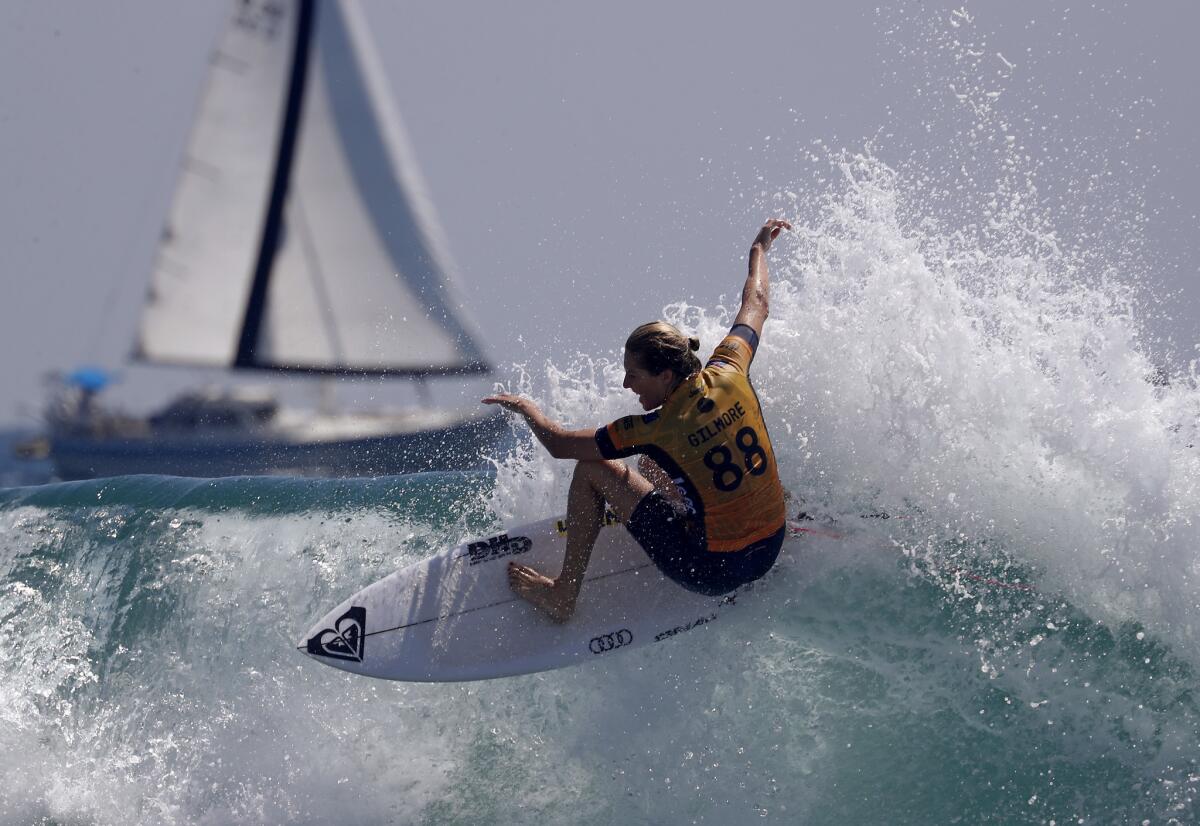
{"x":118,"y":286}
{"x":317,"y":276}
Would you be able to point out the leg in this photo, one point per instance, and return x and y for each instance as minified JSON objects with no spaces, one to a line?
{"x":659,"y":478}
{"x":593,"y":484}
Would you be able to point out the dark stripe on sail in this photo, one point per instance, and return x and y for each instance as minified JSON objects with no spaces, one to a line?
{"x":273,"y":225}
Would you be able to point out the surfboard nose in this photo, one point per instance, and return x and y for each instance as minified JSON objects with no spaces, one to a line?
{"x":340,"y":636}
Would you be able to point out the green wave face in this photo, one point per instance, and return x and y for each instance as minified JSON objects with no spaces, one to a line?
{"x":148,"y":675}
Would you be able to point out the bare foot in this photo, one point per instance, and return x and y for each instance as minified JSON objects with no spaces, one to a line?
{"x":541,"y":591}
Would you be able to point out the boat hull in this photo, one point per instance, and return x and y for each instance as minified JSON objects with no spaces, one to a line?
{"x":462,"y":445}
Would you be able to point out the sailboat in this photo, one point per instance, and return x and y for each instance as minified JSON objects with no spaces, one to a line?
{"x":298,"y":241}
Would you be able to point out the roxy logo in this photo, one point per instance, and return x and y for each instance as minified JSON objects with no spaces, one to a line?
{"x":496,"y":547}
{"x":346,"y":640}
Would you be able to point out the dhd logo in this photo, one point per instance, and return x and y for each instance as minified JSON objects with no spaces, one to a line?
{"x":496,"y":547}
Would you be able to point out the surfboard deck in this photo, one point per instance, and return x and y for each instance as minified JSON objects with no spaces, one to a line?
{"x":453,"y":617}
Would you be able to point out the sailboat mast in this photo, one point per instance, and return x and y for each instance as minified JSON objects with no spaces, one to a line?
{"x":423,"y":394}
{"x":272,"y":226}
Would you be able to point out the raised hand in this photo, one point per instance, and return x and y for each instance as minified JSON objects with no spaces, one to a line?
{"x":770,"y":231}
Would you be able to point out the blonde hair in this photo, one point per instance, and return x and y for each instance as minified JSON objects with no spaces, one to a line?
{"x":660,"y":346}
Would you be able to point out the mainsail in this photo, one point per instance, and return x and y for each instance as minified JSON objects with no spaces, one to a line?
{"x":299,"y":238}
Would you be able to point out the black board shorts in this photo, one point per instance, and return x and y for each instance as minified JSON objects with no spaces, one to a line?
{"x":677,"y":547}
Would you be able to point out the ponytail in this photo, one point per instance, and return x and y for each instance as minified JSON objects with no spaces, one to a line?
{"x":660,"y":346}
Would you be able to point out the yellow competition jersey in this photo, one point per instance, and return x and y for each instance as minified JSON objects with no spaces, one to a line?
{"x":710,"y":437}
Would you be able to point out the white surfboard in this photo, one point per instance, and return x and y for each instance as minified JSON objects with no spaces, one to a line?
{"x":453,"y":617}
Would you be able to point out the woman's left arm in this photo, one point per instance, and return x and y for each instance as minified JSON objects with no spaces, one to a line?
{"x":755,"y":300}
{"x":560,"y":442}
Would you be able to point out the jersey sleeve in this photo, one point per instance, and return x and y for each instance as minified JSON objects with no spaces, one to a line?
{"x":626,"y":436}
{"x":736,"y":349}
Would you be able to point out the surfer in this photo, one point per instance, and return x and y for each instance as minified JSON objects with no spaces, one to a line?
{"x":706,"y":502}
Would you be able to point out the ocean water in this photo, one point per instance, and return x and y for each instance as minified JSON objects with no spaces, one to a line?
{"x":908,"y":673}
{"x":1019,"y":642}
{"x":1016,"y":644}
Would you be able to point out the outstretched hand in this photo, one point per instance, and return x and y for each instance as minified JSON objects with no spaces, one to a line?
{"x":770,"y":231}
{"x":510,"y":402}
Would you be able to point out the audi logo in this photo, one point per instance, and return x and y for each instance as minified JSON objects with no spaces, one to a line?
{"x":607,"y":642}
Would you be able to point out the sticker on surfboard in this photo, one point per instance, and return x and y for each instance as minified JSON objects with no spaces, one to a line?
{"x":346,"y":640}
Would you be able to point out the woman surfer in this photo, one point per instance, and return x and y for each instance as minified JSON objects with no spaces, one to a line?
{"x":707,"y":505}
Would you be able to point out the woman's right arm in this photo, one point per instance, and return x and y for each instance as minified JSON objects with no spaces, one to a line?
{"x":558,"y":441}
{"x":756,"y":293}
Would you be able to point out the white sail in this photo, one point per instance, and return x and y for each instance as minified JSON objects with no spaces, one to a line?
{"x":299,"y":238}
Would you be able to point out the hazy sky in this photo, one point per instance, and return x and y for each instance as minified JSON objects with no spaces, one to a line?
{"x":589,"y":162}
